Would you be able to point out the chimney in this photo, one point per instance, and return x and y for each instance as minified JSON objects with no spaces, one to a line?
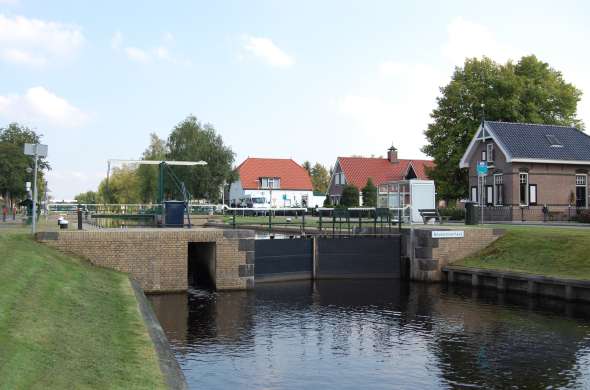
{"x":392,"y":155}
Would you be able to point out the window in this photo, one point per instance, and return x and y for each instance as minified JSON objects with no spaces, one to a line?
{"x":270,"y":182}
{"x":489,"y":195}
{"x":474,"y":194}
{"x":581,"y":190}
{"x":553,"y":141}
{"x":533,"y":194}
{"x":498,"y":190}
{"x":484,"y":156}
{"x":524,"y":193}
{"x":490,"y":153}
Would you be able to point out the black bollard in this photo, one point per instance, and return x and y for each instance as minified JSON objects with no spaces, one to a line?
{"x":79,"y":218}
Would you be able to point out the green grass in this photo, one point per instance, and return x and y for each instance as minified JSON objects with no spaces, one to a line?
{"x":67,"y":324}
{"x":557,"y":252}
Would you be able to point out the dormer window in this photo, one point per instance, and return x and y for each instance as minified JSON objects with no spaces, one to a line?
{"x":270,"y":182}
{"x":553,"y":141}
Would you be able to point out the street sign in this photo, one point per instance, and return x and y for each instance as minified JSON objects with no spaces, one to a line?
{"x":36,"y":149}
{"x":448,"y":233}
{"x":482,"y":168}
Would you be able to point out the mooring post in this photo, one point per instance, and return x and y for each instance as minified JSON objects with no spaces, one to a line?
{"x":234,"y":219}
{"x":320,"y":215}
{"x":360,"y":222}
{"x":399,"y":219}
{"x":375,"y":222}
{"x":270,"y":220}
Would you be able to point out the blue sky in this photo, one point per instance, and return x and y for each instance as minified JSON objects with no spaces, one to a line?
{"x":310,"y":80}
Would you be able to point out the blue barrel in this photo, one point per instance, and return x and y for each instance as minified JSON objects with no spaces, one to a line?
{"x":174,"y":213}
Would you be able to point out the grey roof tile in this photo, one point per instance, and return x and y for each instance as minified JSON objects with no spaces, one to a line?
{"x":529,"y":141}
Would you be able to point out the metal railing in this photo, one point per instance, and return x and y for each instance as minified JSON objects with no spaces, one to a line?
{"x":354,"y":220}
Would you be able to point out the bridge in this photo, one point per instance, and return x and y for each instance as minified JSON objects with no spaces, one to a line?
{"x":167,"y":260}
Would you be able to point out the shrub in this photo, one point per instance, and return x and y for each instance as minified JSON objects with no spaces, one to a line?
{"x":350,"y":196}
{"x":454,"y":214}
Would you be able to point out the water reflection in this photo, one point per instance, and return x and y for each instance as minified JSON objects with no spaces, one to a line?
{"x":375,"y":334}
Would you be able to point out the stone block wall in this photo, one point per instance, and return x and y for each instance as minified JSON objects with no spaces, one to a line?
{"x":432,"y":254}
{"x":158,"y":258}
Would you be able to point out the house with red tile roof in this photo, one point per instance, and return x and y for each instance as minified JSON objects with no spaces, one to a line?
{"x":357,"y":170}
{"x":271,"y":182}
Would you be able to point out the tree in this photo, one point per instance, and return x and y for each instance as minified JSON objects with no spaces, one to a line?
{"x":88,"y":197}
{"x":13,"y":174}
{"x":327,"y":201}
{"x":147,"y":175}
{"x":369,"y":194}
{"x":307,"y":166}
{"x":350,"y":196}
{"x":320,"y":178}
{"x":122,"y":187}
{"x":529,"y":91}
{"x":192,"y":141}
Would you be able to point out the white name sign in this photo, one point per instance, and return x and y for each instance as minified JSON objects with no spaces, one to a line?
{"x":448,"y":234}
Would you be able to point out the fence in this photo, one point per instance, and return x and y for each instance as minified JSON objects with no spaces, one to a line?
{"x":547,"y":213}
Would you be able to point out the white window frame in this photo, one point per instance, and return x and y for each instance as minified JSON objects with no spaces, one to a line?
{"x":489,"y":195}
{"x":526,"y":191}
{"x":474,"y":194}
{"x":490,"y":152}
{"x":484,"y":155}
{"x":585,"y":184}
{"x":498,"y":181}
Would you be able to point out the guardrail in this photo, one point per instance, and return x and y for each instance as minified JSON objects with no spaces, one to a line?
{"x":350,"y":220}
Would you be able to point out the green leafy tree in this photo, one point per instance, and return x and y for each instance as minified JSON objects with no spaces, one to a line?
{"x":350,"y":196}
{"x":147,"y":175}
{"x":529,"y":91}
{"x":17,"y":135}
{"x":192,"y":141}
{"x":13,"y":175}
{"x":121,"y":187}
{"x":327,"y":201}
{"x":88,"y":197}
{"x":369,"y":192}
{"x":320,"y":178}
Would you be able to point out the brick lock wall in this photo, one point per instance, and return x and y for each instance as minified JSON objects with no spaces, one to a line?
{"x":158,"y":258}
{"x":432,"y":254}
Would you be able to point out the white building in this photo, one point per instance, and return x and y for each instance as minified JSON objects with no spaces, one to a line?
{"x":272,"y":182}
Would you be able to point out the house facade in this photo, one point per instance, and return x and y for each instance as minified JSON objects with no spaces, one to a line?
{"x":271,"y":182}
{"x":529,"y":166}
{"x":357,"y":170}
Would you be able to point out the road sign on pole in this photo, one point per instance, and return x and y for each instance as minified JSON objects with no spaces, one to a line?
{"x":482,"y":171}
{"x":35,"y":150}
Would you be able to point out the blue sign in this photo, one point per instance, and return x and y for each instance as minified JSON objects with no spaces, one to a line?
{"x":482,"y":168}
{"x":284,"y":196}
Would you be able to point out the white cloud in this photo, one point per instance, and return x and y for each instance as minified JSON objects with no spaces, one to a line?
{"x":265,"y":49}
{"x":136,"y":54}
{"x":38,"y":105}
{"x":469,"y":39}
{"x":9,"y":2}
{"x":158,"y":53}
{"x":37,"y":42}
{"x":394,"y":107}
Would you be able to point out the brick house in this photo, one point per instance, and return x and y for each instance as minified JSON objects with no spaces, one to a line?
{"x":529,"y":166}
{"x":357,"y":170}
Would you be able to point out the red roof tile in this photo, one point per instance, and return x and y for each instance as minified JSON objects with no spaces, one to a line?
{"x":358,"y":169}
{"x":293,"y":176}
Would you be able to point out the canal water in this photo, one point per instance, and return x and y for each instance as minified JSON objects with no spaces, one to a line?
{"x":375,"y":334}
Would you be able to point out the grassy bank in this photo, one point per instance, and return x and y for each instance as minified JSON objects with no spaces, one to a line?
{"x":67,"y":324}
{"x":558,"y":252}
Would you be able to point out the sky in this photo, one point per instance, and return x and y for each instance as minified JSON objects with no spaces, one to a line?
{"x":308,"y":80}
